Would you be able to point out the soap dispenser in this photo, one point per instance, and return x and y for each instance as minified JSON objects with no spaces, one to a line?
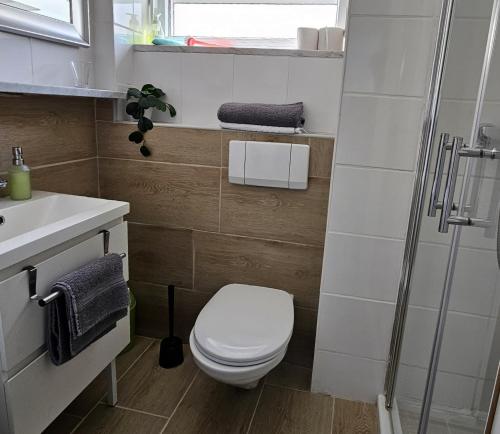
{"x":19,"y":176}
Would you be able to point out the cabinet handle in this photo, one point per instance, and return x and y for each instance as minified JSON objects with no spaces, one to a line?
{"x":451,"y":181}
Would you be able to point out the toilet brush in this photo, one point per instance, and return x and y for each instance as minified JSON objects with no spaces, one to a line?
{"x":171,"y":352}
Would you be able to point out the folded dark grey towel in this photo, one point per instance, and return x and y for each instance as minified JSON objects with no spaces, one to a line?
{"x":94,"y":298}
{"x":273,"y":115}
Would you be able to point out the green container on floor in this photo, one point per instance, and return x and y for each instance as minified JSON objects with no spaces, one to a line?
{"x":133,"y":305}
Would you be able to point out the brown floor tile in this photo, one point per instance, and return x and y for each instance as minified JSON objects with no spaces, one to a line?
{"x":95,"y":391}
{"x":148,"y":387}
{"x":64,"y":424}
{"x":113,"y":420}
{"x":211,"y":407}
{"x":175,"y":195}
{"x":152,"y":309}
{"x":78,"y":178}
{"x":223,"y":259}
{"x":292,"y":376}
{"x":354,"y":418}
{"x":166,"y":143}
{"x":287,"y":411}
{"x":276,"y":213}
{"x":160,"y":255}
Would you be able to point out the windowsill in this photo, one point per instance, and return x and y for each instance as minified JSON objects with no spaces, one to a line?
{"x":240,"y":51}
{"x":38,"y":89}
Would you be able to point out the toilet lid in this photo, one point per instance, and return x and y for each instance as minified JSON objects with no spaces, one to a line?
{"x":244,"y":325}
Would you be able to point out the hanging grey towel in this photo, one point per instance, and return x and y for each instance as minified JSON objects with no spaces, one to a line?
{"x":273,"y":115}
{"x":94,"y":298}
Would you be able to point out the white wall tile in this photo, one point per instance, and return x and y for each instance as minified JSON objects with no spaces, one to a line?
{"x":362,"y":266}
{"x":474,"y":283}
{"x":15,"y":55}
{"x":354,"y":326}
{"x":347,"y":377}
{"x":316,"y":82}
{"x":366,"y":140}
{"x":370,"y":201}
{"x":462,"y":343}
{"x":124,"y":56}
{"x":52,"y":63}
{"x":260,"y":79}
{"x":207,"y":82}
{"x":467,"y":41}
{"x":162,"y":70}
{"x":426,"y":8}
{"x":389,"y":55}
{"x":451,"y":390}
{"x":104,"y":54}
{"x":473,"y":8}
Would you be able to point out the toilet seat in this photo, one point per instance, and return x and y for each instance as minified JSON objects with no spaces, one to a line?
{"x":244,"y":325}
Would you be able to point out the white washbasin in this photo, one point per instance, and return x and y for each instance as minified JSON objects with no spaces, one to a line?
{"x":48,"y":219}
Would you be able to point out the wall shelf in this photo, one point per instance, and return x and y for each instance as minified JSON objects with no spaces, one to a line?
{"x":37,"y":89}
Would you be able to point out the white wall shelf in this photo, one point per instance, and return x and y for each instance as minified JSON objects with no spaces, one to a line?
{"x":8,"y":87}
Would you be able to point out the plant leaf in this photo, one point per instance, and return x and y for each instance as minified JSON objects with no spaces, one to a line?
{"x":132,"y":92}
{"x":144,"y":124}
{"x":171,"y":109}
{"x":148,"y":88}
{"x":132,"y":108}
{"x":157,"y":92}
{"x":145,"y":151}
{"x":136,"y":137}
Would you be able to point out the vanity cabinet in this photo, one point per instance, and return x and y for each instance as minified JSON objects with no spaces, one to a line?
{"x":34,"y":391}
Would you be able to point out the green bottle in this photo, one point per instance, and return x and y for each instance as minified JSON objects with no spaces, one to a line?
{"x":19,"y":176}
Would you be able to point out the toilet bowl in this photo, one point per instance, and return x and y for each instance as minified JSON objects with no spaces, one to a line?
{"x":242,"y":333}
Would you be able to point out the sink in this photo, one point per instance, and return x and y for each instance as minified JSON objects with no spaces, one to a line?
{"x":48,"y":219}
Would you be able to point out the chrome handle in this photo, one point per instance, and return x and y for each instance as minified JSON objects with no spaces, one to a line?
{"x":451,"y":181}
{"x":438,"y":174}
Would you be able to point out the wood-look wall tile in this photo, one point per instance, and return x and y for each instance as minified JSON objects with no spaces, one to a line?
{"x":276,"y":213}
{"x":301,"y":347}
{"x":354,"y":418}
{"x":78,"y":178}
{"x":152,"y":309}
{"x":51,"y":129}
{"x":321,"y":148}
{"x":228,"y":135}
{"x":321,"y":156}
{"x":160,"y":255}
{"x":104,"y":109}
{"x":283,"y":410}
{"x":291,"y":376}
{"x":168,"y":194}
{"x":168,"y":144}
{"x":211,"y":407}
{"x":222,"y":259}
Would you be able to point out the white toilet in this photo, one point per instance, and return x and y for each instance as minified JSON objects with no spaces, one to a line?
{"x":242,"y":333}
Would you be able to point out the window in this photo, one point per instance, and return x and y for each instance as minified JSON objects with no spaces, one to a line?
{"x":270,"y":23}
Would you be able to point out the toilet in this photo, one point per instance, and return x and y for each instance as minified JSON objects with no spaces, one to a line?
{"x":242,"y":333}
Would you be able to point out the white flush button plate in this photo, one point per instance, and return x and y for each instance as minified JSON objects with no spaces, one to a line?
{"x":267,"y":164}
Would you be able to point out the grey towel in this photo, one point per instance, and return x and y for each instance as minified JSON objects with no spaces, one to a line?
{"x":273,"y":115}
{"x":94,"y":298}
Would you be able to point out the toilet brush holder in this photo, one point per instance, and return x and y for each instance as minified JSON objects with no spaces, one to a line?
{"x":171,"y":350}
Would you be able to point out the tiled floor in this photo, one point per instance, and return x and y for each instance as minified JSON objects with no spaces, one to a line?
{"x":184,"y":400}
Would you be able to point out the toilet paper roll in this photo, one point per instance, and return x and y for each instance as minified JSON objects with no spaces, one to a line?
{"x":331,"y":39}
{"x":307,"y":38}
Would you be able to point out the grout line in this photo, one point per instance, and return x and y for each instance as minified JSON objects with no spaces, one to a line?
{"x":281,"y":386}
{"x":180,"y":401}
{"x":140,"y":411}
{"x":85,"y":417}
{"x":333,"y":414}
{"x":255,"y":409}
{"x":136,"y":360}
{"x":169,"y":163}
{"x":62,"y":163}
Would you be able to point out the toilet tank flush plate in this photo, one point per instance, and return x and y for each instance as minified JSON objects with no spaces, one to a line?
{"x":268,"y":164}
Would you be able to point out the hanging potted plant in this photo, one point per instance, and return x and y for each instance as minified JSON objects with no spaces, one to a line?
{"x":149,"y":97}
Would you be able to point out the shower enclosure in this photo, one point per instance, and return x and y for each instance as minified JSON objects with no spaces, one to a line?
{"x":445,"y":346}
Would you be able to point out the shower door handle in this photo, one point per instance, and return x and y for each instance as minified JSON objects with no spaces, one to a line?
{"x":451,"y":181}
{"x":438,"y":174}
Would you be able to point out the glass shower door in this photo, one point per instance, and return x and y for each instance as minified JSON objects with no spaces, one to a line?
{"x":450,"y":348}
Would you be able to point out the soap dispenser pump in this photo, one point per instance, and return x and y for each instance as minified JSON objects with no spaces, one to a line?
{"x":19,"y":176}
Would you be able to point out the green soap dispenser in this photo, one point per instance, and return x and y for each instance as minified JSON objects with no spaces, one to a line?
{"x":19,"y":176}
